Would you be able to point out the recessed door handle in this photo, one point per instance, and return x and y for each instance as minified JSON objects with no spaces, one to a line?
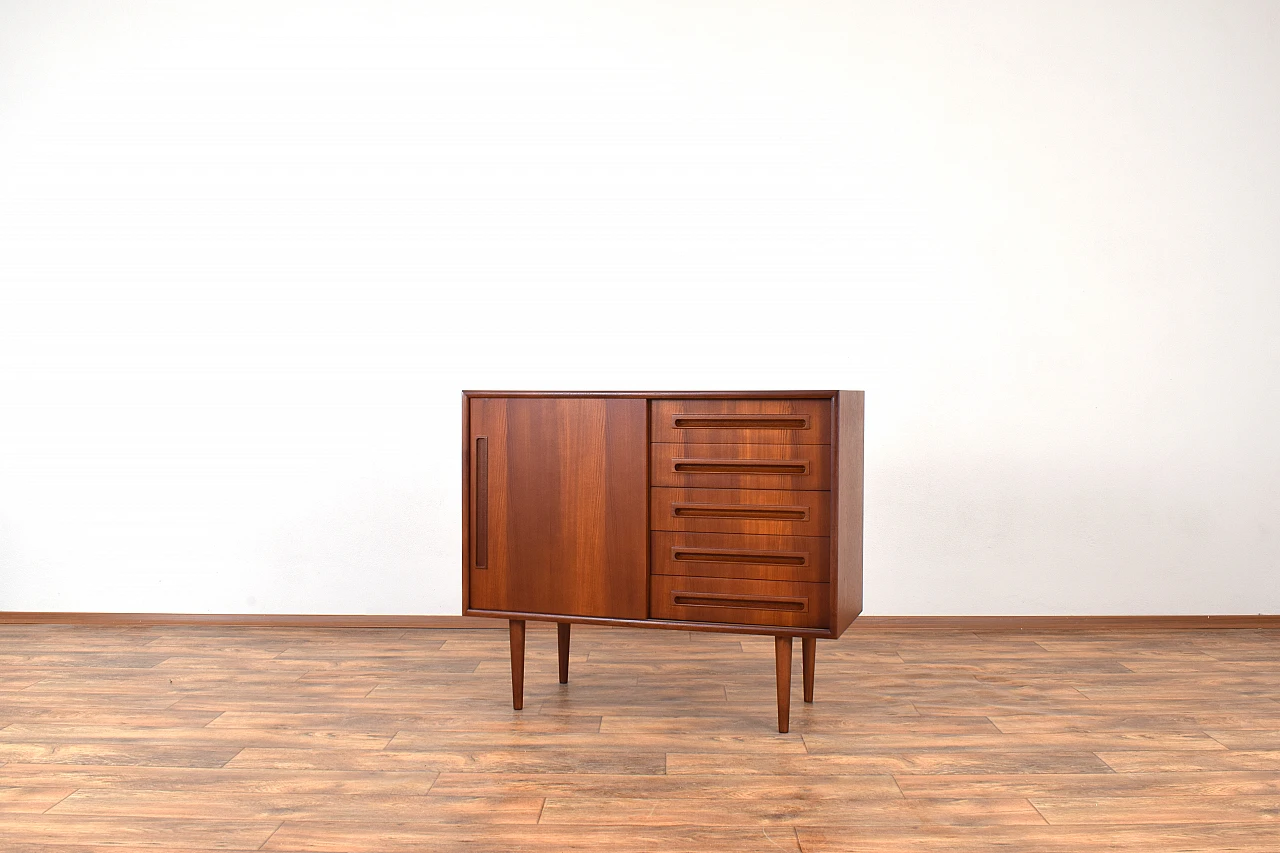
{"x":757,"y":511}
{"x":729,"y":555}
{"x":482,"y":502}
{"x":739,"y":466}
{"x":745,"y":602}
{"x":789,"y":422}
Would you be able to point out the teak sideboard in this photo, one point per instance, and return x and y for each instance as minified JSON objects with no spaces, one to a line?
{"x":707,"y":511}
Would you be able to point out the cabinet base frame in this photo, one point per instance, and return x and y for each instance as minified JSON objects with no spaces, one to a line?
{"x":668,"y":624}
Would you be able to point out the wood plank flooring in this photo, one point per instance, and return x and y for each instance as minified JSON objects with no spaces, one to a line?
{"x":361,"y":740}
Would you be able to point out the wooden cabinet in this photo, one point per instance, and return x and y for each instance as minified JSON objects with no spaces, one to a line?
{"x":721,"y":511}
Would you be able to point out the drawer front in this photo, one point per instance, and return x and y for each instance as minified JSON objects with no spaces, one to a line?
{"x":777,"y":513}
{"x":741,"y":466}
{"x":734,"y":555}
{"x":741,"y":421}
{"x":739,"y":602}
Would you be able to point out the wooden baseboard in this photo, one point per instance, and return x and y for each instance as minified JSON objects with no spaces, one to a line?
{"x":247,"y":620}
{"x":863,"y":623}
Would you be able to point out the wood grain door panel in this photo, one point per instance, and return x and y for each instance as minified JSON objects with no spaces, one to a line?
{"x":734,"y":555}
{"x":740,"y":602}
{"x":742,"y":466}
{"x":756,"y":511}
{"x":558,"y":500}
{"x":741,"y":421}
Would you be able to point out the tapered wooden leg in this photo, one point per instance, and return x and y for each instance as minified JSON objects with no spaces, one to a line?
{"x":562,"y":635}
{"x":517,"y":663}
{"x":782,"y":651}
{"x":809,"y":649}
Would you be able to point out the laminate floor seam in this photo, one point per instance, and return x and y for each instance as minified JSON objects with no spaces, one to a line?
{"x":267,"y":840}
{"x":55,"y":805}
{"x":1037,"y":810}
{"x":231,"y":759}
{"x":1206,"y":734}
{"x":898,"y":785}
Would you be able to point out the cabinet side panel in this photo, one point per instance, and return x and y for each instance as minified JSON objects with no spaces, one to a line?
{"x":466,"y":502}
{"x":849,"y":475}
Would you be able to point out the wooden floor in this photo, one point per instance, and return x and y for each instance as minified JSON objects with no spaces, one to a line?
{"x":394,"y":740}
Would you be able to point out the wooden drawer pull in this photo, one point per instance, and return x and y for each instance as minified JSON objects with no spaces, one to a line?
{"x":770,"y":513}
{"x":729,"y":555}
{"x":482,"y":502}
{"x":740,"y":422}
{"x":746,"y":602}
{"x":735,"y":466}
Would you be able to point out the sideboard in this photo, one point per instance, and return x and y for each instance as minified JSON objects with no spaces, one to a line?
{"x":725,"y":511}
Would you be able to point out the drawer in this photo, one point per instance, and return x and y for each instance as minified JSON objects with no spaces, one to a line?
{"x":741,"y":421}
{"x":734,"y":555}
{"x":766,"y":512}
{"x":741,"y":466}
{"x":739,"y":602}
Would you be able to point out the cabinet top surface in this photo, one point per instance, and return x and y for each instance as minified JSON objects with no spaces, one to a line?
{"x":662,"y":394}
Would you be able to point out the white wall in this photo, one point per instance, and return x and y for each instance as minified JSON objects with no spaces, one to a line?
{"x":251,"y":252}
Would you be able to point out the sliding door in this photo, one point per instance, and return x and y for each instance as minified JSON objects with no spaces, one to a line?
{"x":558,"y":506}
